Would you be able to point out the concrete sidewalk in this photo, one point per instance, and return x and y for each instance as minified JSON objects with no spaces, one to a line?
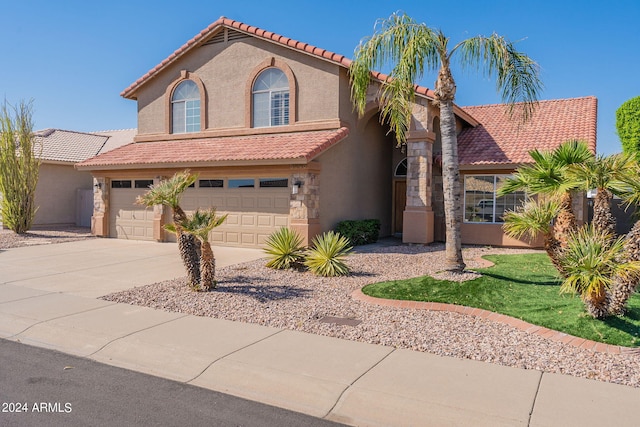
{"x":47,"y":298}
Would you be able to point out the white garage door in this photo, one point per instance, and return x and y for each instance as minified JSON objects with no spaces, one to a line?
{"x":128,"y":220}
{"x":256,"y":207}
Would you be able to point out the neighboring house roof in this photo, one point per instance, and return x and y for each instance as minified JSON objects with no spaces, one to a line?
{"x":500,"y":139}
{"x":117,"y":138}
{"x":213,"y":29}
{"x":71,"y":147}
{"x":298,"y":147}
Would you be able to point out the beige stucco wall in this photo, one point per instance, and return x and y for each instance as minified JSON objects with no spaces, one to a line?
{"x":355,"y":182}
{"x":56,"y":193}
{"x":226,"y":70}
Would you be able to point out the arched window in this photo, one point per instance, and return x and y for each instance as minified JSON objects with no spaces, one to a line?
{"x":270,"y":95}
{"x":185,"y":108}
{"x":401,"y":169}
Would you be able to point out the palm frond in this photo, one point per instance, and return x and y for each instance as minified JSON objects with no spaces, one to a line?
{"x":517,"y":75}
{"x":167,"y":192}
{"x":410,"y":48}
{"x":532,"y":218}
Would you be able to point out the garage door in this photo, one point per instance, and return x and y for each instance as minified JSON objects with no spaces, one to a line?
{"x":128,"y":220}
{"x":256,"y":207}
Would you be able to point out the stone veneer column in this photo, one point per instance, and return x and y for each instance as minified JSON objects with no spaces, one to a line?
{"x":100,"y":219}
{"x":304,"y":207}
{"x":418,"y":218}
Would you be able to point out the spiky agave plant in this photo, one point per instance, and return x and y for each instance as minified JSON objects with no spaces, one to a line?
{"x":591,"y":260}
{"x":326,"y":256}
{"x":285,"y":249}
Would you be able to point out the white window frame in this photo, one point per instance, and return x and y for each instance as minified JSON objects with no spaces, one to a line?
{"x":493,"y":200}
{"x":190,"y":109}
{"x":279,"y":103}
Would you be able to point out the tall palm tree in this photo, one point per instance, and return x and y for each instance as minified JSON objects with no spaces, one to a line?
{"x":200,"y":224}
{"x":167,"y":193}
{"x":532,"y":219}
{"x":548,"y":176}
{"x":606,"y":174}
{"x":413,"y":48}
{"x":591,"y":260}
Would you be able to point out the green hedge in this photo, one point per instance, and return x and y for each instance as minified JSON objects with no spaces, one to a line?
{"x":360,"y":232}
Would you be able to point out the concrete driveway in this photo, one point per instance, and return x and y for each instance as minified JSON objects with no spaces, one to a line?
{"x":96,"y":267}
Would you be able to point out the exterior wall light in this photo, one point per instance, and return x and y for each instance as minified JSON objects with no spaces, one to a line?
{"x":296,"y":187}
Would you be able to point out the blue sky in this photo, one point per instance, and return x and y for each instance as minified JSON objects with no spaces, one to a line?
{"x":73,"y":58}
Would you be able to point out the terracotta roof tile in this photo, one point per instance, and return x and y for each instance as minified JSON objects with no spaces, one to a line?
{"x":258,"y":32}
{"x":501,"y":140}
{"x":299,"y":147}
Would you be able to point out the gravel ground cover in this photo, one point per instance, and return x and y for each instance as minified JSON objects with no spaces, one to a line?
{"x":300,"y":301}
{"x":9,"y":239}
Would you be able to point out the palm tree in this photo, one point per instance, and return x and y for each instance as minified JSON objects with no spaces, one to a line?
{"x":167,"y":193}
{"x":625,"y":286}
{"x":414,"y":47}
{"x":591,"y":260}
{"x":532,"y":219}
{"x":200,"y":224}
{"x":606,"y":174}
{"x":548,"y":176}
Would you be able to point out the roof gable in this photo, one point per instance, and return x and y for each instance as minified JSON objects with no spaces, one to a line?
{"x":502,"y":140}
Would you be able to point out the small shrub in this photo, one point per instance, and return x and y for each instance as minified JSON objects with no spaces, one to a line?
{"x":360,"y":232}
{"x":285,"y":249}
{"x":326,"y":256}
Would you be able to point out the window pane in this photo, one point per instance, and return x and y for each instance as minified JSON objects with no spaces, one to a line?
{"x":185,"y":108}
{"x":121,"y":183}
{"x":508,"y":202}
{"x":178,"y":125}
{"x":261,"y":110}
{"x":273,"y":182}
{"x":211,"y":183}
{"x":143,"y":183}
{"x":478,"y":198}
{"x":241,"y":183}
{"x":270,"y":99}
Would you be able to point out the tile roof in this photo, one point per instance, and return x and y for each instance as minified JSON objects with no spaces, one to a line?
{"x":298,"y":147}
{"x":205,"y":34}
{"x":67,"y":146}
{"x":501,"y":140}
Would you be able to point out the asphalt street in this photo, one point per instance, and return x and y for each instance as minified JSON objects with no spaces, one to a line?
{"x":40,"y":387}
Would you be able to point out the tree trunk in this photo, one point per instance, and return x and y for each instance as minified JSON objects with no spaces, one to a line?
{"x":602,"y":217}
{"x":188,"y":247}
{"x":552,"y":247}
{"x":565,"y":223}
{"x":624,"y":287}
{"x":207,"y":268}
{"x":597,"y":304}
{"x":451,"y":187}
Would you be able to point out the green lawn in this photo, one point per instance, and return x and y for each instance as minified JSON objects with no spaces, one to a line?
{"x":523,"y":286}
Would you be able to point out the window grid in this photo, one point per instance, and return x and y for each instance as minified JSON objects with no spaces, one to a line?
{"x":270,"y":99}
{"x":185,"y":108}
{"x":482,"y":205}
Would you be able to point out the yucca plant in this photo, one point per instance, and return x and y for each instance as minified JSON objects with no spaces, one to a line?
{"x":592,"y":258}
{"x":285,"y":249}
{"x":326,"y":257}
{"x":200,"y":224}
